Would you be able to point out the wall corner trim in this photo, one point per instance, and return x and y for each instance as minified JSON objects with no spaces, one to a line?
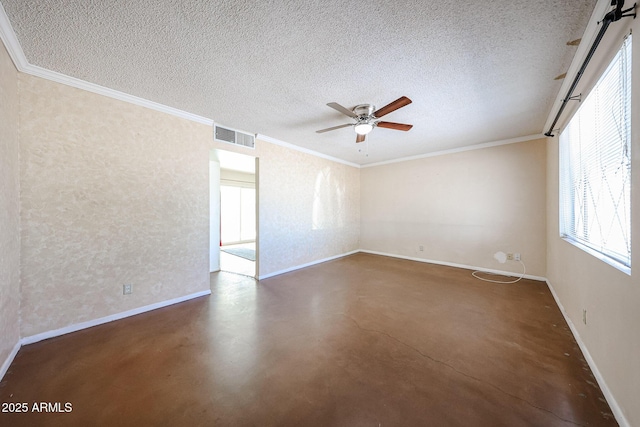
{"x":88,"y":324}
{"x":9,"y":360}
{"x":611,"y":400}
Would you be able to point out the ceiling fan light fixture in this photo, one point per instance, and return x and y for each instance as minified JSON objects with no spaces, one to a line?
{"x":363,"y":128}
{"x":367,"y":117}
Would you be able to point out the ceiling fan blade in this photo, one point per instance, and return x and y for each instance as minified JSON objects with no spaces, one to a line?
{"x":360,"y":138}
{"x":396,"y":126}
{"x":398,"y":103}
{"x":343,"y":110}
{"x":334,"y":128}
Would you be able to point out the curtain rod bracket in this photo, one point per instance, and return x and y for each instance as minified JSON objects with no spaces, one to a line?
{"x":577,"y":97}
{"x":617,"y":13}
{"x":612,"y":16}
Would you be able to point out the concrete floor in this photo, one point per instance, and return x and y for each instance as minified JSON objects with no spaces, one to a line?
{"x":360,"y":341}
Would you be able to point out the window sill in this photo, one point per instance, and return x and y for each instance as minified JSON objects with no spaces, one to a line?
{"x":600,"y":256}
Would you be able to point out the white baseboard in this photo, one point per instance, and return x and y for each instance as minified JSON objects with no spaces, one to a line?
{"x":84,"y":325}
{"x":309,"y":264}
{"x":615,"y":408}
{"x":9,"y":360}
{"x":429,"y":261}
{"x":451,"y":264}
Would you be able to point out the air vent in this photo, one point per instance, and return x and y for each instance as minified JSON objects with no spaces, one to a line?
{"x":231,"y":136}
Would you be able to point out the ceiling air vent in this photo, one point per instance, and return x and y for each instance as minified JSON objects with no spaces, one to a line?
{"x":231,"y":136}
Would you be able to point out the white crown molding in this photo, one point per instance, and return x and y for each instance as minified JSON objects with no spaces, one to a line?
{"x":459,"y":149}
{"x":121,"y":96}
{"x":95,"y":322}
{"x":11,"y":42}
{"x":305,"y":150}
{"x":16,"y":53}
{"x":613,"y":403}
{"x":590,"y":33}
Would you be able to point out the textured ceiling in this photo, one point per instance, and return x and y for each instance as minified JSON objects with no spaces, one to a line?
{"x":476,"y":71}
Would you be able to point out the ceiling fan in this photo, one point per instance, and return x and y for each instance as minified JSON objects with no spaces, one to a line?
{"x":367,"y":117}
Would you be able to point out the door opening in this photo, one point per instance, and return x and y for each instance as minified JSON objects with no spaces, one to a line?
{"x":234,"y":213}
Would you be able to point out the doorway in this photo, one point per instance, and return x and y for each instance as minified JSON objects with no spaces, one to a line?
{"x":234,"y":206}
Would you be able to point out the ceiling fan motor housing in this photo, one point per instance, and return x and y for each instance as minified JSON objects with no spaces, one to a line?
{"x":363,"y":110}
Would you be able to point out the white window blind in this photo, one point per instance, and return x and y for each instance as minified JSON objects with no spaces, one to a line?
{"x":595,"y":166}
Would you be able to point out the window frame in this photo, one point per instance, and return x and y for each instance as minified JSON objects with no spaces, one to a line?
{"x":565,"y":164}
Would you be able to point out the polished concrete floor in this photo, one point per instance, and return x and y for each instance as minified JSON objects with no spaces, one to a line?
{"x":360,"y":341}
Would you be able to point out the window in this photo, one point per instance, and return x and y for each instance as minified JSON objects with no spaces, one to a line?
{"x":595,"y":167}
{"x":237,"y":214}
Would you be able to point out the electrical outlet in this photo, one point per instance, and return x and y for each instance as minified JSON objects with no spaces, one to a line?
{"x":127,"y":289}
{"x":516,"y":257}
{"x":509,"y":257}
{"x":421,"y":248}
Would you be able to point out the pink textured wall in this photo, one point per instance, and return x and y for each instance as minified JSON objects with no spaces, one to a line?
{"x":112,"y":193}
{"x":9,"y":210}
